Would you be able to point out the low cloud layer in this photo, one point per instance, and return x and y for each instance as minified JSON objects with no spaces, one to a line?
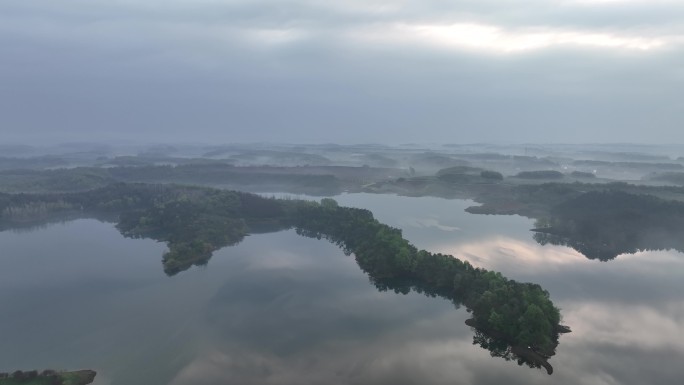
{"x":342,"y":71}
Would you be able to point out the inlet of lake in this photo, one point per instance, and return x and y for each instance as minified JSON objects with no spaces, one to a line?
{"x":284,"y":309}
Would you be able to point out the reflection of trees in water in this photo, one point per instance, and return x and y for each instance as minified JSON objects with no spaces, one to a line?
{"x":498,"y":347}
{"x":513,"y":320}
{"x":603,"y":225}
{"x":496,"y":344}
{"x":605,"y":244}
{"x":34,"y":224}
{"x":590,"y":248}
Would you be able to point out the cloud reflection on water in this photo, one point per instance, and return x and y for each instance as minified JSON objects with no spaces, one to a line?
{"x":283,"y":309}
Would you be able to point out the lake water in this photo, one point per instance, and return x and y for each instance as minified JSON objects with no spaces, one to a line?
{"x":283,"y":309}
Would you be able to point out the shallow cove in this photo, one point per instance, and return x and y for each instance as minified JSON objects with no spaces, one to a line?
{"x":279,"y":308}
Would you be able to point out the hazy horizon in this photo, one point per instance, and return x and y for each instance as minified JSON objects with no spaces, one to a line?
{"x":403,"y":71}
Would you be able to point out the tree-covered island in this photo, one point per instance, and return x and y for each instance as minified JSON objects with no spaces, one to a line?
{"x":47,"y":377}
{"x":513,"y":320}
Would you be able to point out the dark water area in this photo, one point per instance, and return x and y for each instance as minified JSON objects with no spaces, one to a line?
{"x":284,"y":309}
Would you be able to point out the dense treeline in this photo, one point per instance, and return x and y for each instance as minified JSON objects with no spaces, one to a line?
{"x":314,"y":180}
{"x":195,"y":227}
{"x":467,"y":174}
{"x":193,"y":221}
{"x":295,"y":179}
{"x":647,"y":165}
{"x":543,"y":174}
{"x":47,"y":377}
{"x":669,"y":177}
{"x":600,"y":234}
{"x":583,"y":175}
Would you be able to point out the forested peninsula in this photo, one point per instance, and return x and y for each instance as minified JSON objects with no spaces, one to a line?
{"x":513,"y":320}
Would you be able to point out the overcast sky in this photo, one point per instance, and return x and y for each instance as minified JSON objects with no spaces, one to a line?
{"x":347,"y":71}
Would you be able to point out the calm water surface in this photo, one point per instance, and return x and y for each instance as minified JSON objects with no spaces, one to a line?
{"x":283,"y":309}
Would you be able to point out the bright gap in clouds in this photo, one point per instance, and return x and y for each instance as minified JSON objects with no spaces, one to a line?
{"x":274,"y":36}
{"x":495,"y":39}
{"x":616,"y":2}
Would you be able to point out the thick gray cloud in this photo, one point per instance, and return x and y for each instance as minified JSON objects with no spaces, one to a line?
{"x":347,"y":71}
